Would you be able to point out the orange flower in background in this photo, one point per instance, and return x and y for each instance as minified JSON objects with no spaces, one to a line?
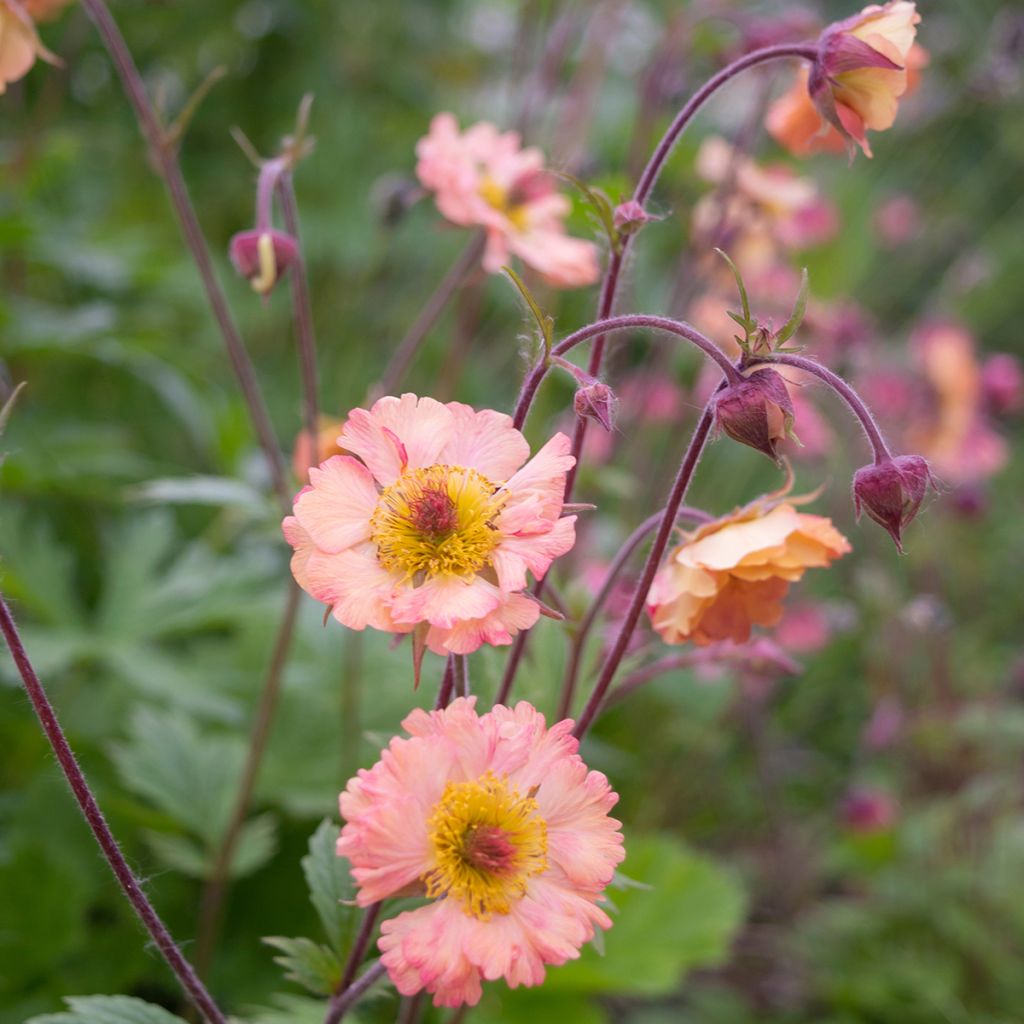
{"x":732,"y":574}
{"x":44,"y":10}
{"x":20,"y":44}
{"x":327,"y":433}
{"x":865,"y":64}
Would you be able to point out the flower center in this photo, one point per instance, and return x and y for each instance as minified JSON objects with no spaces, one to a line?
{"x":507,"y":201}
{"x":437,"y":521}
{"x":487,"y":841}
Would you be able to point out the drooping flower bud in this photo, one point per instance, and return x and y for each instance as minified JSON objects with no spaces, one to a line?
{"x":867,"y":810}
{"x":757,"y":412}
{"x":630,"y":217}
{"x":263,"y":256}
{"x":891,"y":492}
{"x":596,"y":401}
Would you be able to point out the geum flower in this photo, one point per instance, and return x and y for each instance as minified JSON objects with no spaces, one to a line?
{"x":20,"y":44}
{"x":732,"y":574}
{"x":482,"y":178}
{"x":433,"y":525}
{"x":864,"y":65}
{"x":497,"y":821}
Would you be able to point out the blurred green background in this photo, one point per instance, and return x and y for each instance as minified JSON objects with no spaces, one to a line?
{"x":144,"y":560}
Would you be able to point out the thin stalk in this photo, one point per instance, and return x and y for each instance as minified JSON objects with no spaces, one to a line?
{"x":461,"y":675}
{"x":648,"y":179}
{"x":411,"y":1009}
{"x":165,"y":157}
{"x":341,"y":1004}
{"x":601,"y":328}
{"x":654,"y":556}
{"x":579,"y":639}
{"x":417,"y":333}
{"x":211,"y":906}
{"x":845,"y":392}
{"x":302,"y":312}
{"x":130,"y":885}
{"x":359,"y":946}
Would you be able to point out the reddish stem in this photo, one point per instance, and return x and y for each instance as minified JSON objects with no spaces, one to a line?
{"x":90,"y":809}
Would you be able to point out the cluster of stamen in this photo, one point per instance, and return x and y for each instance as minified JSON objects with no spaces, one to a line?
{"x":488,"y":841}
{"x":509,"y":201}
{"x":437,"y":521}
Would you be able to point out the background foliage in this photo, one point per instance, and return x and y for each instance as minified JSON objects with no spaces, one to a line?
{"x":148,"y":571}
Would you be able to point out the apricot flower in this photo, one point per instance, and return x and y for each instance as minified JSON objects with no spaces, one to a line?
{"x":482,"y":177}
{"x":312,"y":451}
{"x":20,"y":44}
{"x":433,"y":524}
{"x":495,"y":819}
{"x":732,"y":574}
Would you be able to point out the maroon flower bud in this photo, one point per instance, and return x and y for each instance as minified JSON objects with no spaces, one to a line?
{"x":263,"y":256}
{"x":596,"y":401}
{"x":630,"y":217}
{"x":869,"y":810}
{"x":757,"y":412}
{"x":891,"y":492}
{"x":1002,"y":383}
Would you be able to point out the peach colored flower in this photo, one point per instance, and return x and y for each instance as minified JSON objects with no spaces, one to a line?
{"x":303,"y":455}
{"x":794,"y":122}
{"x":435,"y":528}
{"x":44,"y":10}
{"x":20,"y":44}
{"x":495,"y":819}
{"x":732,"y":574}
{"x":483,"y":178}
{"x":757,"y":211}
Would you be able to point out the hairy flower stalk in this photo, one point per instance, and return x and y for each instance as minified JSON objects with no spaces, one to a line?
{"x":130,"y":885}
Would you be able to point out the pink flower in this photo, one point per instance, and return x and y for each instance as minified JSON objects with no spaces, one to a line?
{"x":435,"y":528}
{"x":483,"y":178}
{"x":495,"y":819}
{"x":20,"y":44}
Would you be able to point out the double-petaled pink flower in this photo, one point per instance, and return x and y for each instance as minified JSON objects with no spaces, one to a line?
{"x":433,"y":525}
{"x":483,"y":178}
{"x":497,"y":821}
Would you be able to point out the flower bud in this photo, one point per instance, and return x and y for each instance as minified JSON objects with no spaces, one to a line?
{"x":263,"y":256}
{"x":1002,"y":383}
{"x":868,"y":810}
{"x":596,"y":401}
{"x":891,"y":492}
{"x":757,"y":412}
{"x":630,"y":217}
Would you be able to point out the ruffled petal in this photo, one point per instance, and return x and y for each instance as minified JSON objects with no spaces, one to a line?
{"x":485,"y":441}
{"x":335,"y":509}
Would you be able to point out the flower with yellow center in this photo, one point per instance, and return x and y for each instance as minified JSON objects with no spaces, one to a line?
{"x":498,"y":822}
{"x":488,"y":840}
{"x":432,"y":523}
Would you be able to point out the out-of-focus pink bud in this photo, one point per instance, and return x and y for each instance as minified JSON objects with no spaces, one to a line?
{"x":263,"y":257}
{"x":970,"y":500}
{"x":868,"y":810}
{"x":630,"y":217}
{"x":898,"y":221}
{"x":757,"y":412}
{"x":1002,"y":383}
{"x":891,"y":492}
{"x":885,"y":726}
{"x":596,"y":401}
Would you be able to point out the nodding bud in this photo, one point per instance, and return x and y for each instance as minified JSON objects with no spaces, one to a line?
{"x":263,"y":257}
{"x":891,"y":492}
{"x":630,"y":217}
{"x":597,"y":401}
{"x":757,"y":412}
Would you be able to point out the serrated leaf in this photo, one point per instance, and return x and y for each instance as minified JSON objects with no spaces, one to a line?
{"x":792,"y":325}
{"x":108,"y":1010}
{"x":314,"y":967}
{"x":330,"y":886}
{"x":744,"y":301}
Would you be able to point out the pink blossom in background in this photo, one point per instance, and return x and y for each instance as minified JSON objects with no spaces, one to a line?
{"x":1002,"y":383}
{"x":484,"y":178}
{"x":867,"y":810}
{"x":432,"y":523}
{"x":897,"y":221}
{"x":805,"y":628}
{"x":496,"y":819}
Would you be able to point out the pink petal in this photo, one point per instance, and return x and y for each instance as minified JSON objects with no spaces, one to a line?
{"x":514,"y":555}
{"x":335,"y":509}
{"x":544,"y":476}
{"x":446,"y":601}
{"x":353,"y":583}
{"x":498,"y":628}
{"x":485,"y":441}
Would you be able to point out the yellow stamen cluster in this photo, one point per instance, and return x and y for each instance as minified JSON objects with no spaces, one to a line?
{"x":488,"y":840}
{"x":437,"y":521}
{"x":496,"y":195}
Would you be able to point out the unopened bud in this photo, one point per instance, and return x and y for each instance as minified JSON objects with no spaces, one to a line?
{"x":869,"y":810}
{"x":630,"y":217}
{"x":596,"y":401}
{"x":263,"y":257}
{"x":757,"y":412}
{"x":1002,"y":383}
{"x":891,"y":492}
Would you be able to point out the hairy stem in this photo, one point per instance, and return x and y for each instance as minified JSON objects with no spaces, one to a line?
{"x":654,"y":556}
{"x":417,"y":333}
{"x":211,"y":906}
{"x":345,"y":1000}
{"x":130,"y":885}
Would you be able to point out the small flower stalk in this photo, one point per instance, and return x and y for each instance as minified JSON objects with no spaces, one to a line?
{"x":891,"y":492}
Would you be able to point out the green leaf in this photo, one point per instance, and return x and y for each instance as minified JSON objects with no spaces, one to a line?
{"x":792,"y":325}
{"x":747,"y":322}
{"x":330,"y":886}
{"x":221,"y":491}
{"x":686,"y":919}
{"x":308,"y":964}
{"x":545,"y":323}
{"x":108,"y":1010}
{"x":601,"y":205}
